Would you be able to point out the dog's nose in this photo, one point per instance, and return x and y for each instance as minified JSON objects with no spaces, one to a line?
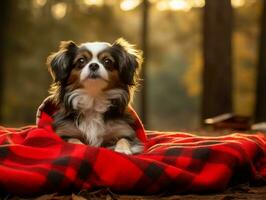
{"x":94,"y":67}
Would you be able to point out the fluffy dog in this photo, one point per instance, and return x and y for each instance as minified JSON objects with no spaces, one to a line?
{"x":93,"y":84}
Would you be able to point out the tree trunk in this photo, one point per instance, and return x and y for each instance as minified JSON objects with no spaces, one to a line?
{"x":217,"y":71}
{"x":5,"y":7}
{"x":260,"y":110}
{"x":144,"y":44}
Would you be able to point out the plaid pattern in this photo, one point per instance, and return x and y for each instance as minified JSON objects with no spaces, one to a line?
{"x":34,"y":161}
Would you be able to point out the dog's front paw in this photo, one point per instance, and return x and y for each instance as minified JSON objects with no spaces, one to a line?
{"x":74,"y":141}
{"x":123,"y":146}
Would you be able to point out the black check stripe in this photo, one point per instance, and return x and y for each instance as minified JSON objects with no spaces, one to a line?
{"x":84,"y":170}
{"x":4,"y":151}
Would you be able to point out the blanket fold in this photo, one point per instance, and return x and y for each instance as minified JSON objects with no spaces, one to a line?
{"x":35,"y":161}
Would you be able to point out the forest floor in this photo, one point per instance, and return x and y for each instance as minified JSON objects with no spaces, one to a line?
{"x":240,"y":192}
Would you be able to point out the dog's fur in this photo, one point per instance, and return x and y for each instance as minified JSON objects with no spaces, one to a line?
{"x":93,"y":84}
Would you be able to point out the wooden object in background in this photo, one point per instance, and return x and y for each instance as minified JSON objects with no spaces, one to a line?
{"x":229,"y":121}
{"x":217,"y":69}
{"x":260,"y":110}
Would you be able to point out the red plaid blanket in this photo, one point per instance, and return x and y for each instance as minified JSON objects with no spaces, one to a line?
{"x":34,"y":160}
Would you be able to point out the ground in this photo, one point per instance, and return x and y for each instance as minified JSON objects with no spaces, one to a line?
{"x":238,"y":193}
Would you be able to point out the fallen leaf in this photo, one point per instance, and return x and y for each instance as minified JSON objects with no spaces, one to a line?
{"x":77,"y":197}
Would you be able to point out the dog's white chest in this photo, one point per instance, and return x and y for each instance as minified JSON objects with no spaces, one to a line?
{"x":91,"y":122}
{"x":93,"y":127}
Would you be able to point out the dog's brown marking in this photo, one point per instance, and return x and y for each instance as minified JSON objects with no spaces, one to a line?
{"x":73,"y":80}
{"x":83,"y":53}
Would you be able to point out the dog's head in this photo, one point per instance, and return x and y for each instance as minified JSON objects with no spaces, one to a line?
{"x":95,"y":66}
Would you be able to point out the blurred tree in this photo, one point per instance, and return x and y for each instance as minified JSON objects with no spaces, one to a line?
{"x":174,"y":65}
{"x":144,"y":36}
{"x":260,"y":112}
{"x":5,"y":7}
{"x":217,"y":71}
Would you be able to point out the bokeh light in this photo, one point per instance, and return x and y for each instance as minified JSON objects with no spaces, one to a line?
{"x":59,"y":10}
{"x":127,"y":5}
{"x":39,"y":3}
{"x":94,"y":2}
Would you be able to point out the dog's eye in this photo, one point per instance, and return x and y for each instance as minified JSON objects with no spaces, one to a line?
{"x":108,"y":63}
{"x":81,"y":61}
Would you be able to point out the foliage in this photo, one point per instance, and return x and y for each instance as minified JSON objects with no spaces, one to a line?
{"x":174,"y":63}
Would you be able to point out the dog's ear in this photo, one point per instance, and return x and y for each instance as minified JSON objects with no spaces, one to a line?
{"x":129,"y":61}
{"x":60,"y":63}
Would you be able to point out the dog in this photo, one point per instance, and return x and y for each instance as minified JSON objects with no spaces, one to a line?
{"x":93,"y":85}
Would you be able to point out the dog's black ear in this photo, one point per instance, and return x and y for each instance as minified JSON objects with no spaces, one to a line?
{"x":129,"y":61}
{"x":60,"y":63}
